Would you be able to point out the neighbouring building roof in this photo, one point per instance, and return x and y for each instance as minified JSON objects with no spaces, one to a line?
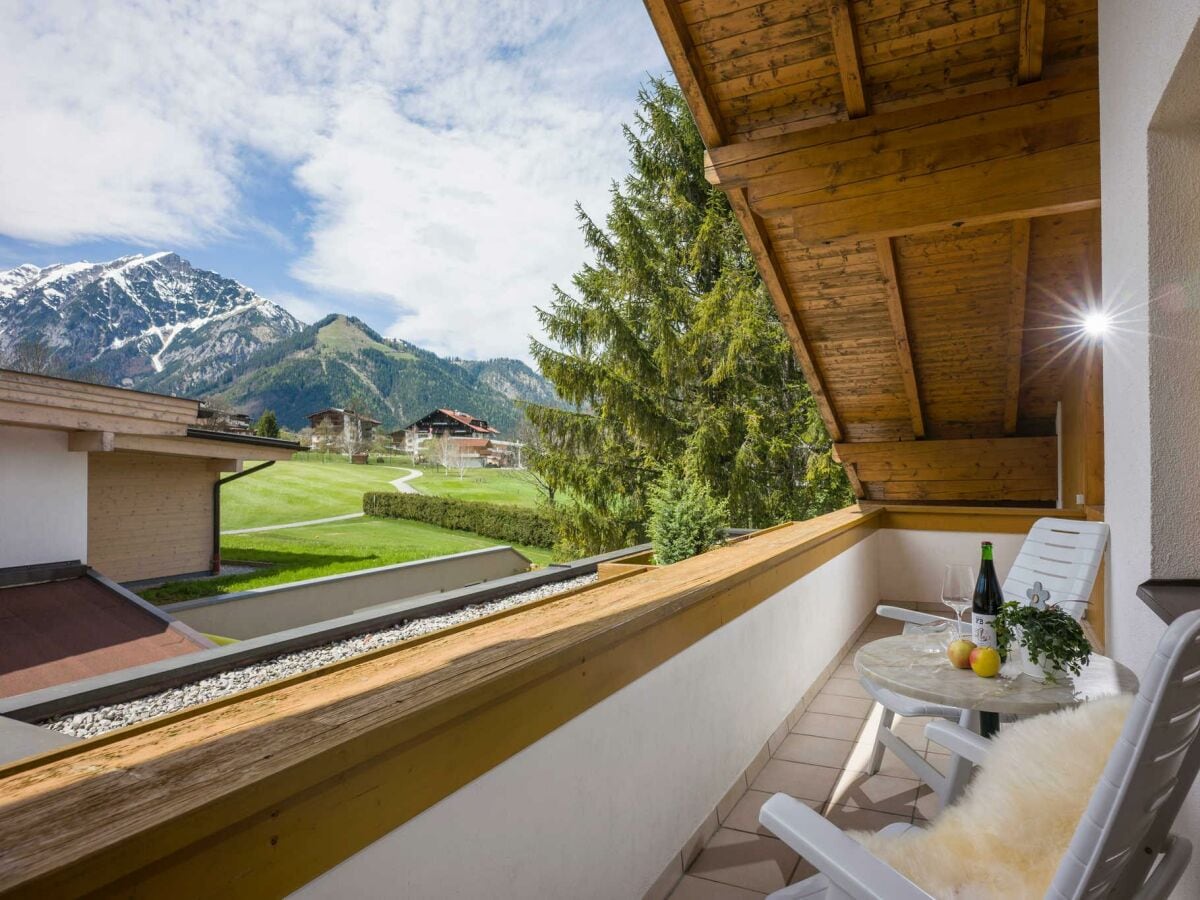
{"x":341,"y":412}
{"x":54,"y":632}
{"x":468,"y":421}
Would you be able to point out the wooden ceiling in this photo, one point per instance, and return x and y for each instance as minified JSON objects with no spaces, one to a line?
{"x":920,"y":184}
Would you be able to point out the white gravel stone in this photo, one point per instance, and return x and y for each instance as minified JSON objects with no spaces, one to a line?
{"x":101,"y":719}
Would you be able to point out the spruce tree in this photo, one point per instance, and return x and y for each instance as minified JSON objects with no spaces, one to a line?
{"x":671,"y":351}
{"x":267,"y":425}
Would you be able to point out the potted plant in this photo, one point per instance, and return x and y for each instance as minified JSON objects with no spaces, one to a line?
{"x":1041,"y":639}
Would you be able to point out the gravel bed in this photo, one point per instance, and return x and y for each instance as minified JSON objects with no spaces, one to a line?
{"x":100,"y":719}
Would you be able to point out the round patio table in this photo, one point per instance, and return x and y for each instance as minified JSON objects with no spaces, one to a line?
{"x":916,"y":665}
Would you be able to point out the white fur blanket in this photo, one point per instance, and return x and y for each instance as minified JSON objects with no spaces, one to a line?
{"x":1006,"y":834}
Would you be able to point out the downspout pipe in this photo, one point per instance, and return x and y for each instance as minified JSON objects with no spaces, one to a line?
{"x":216,"y":511}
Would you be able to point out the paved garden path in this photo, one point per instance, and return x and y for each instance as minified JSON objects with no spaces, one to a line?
{"x":400,"y":484}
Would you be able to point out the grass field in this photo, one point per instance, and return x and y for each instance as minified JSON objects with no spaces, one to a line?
{"x":301,"y":491}
{"x":298,"y":491}
{"x":316,"y":550}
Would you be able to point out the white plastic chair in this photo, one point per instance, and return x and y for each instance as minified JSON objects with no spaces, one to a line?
{"x":1064,"y":555}
{"x":1123,"y":846}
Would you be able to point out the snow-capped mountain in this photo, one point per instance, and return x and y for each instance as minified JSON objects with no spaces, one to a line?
{"x":151,"y":321}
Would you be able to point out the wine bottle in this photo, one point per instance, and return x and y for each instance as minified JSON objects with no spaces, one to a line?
{"x":986,"y":602}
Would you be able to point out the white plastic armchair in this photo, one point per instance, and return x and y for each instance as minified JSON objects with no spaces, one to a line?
{"x":1123,"y":845}
{"x":1064,"y":555}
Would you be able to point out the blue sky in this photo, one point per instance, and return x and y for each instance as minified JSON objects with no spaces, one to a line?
{"x":414,"y":163}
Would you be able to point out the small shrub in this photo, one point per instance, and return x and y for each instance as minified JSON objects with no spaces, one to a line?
{"x":685,"y":519}
{"x":515,"y":524}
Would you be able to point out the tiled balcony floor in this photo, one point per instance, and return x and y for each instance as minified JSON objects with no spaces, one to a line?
{"x":821,"y":760}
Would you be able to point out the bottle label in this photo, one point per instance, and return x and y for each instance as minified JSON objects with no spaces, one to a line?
{"x":983,"y":630}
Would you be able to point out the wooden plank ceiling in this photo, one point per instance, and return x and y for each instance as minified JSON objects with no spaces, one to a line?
{"x":919,"y":182}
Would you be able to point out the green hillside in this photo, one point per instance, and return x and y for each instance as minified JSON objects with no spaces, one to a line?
{"x":340,"y":357}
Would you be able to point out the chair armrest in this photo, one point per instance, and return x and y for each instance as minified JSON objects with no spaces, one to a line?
{"x":840,"y":858}
{"x":957,"y":739}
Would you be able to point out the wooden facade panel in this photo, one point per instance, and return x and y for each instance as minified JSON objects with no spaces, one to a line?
{"x":149,"y":515}
{"x":1001,"y":469}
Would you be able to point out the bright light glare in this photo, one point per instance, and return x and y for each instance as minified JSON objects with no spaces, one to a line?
{"x":1096,"y":323}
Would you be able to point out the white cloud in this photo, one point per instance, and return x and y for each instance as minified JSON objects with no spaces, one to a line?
{"x":442,"y":145}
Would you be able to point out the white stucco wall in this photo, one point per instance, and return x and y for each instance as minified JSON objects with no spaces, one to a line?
{"x":911,"y":563}
{"x":1151,"y":409}
{"x":597,"y":808}
{"x":43,"y":498}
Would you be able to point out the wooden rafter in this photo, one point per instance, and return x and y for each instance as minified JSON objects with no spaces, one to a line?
{"x":1018,"y":289}
{"x":681,"y":53}
{"x":776,"y":284}
{"x":1031,"y":41}
{"x":1021,"y":152}
{"x":887,"y":266}
{"x":845,"y":48}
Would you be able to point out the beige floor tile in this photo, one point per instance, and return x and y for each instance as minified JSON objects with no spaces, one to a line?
{"x":853,"y":818}
{"x":827,"y":726}
{"x":744,"y":816}
{"x":940,"y":761}
{"x":745,"y":860}
{"x":853,"y":707}
{"x":845,"y":670}
{"x":891,"y":765}
{"x":885,"y":793}
{"x":818,"y":751}
{"x":928,"y":805}
{"x":693,"y":888}
{"x":800,"y":780}
{"x":912,"y":734}
{"x":804,"y":869}
{"x":845,"y":687}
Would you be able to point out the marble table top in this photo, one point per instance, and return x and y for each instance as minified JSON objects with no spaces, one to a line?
{"x":917,"y":666}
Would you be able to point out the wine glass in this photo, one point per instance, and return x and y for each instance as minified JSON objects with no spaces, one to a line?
{"x":958,"y":587}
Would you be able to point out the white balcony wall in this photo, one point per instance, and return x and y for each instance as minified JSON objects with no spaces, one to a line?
{"x":911,"y":563}
{"x":597,"y":808}
{"x":43,"y":498}
{"x":1150,"y":153}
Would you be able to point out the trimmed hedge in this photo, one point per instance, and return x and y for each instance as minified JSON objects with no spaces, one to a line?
{"x":515,"y":524}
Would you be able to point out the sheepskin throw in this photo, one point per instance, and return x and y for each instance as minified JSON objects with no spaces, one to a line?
{"x":1006,"y":834}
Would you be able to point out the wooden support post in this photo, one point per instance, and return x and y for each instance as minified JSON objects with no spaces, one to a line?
{"x":776,"y":284}
{"x":845,"y":47}
{"x":887,"y":266}
{"x":1031,"y":41}
{"x":1018,"y":289}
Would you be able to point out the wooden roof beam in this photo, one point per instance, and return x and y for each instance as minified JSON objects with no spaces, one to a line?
{"x":773,"y":278}
{"x":1031,"y":41}
{"x":887,"y":266}
{"x":845,"y":48}
{"x":689,"y":71}
{"x":1019,"y":285}
{"x":1021,"y":152}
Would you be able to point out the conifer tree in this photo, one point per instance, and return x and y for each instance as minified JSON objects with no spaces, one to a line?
{"x":267,"y":425}
{"x":671,"y":351}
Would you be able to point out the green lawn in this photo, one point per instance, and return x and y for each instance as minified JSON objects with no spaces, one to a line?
{"x":507,"y":486}
{"x":300,"y":491}
{"x":316,"y":550}
{"x":313,"y":489}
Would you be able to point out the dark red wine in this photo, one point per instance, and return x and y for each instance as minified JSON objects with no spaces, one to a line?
{"x":986,"y":602}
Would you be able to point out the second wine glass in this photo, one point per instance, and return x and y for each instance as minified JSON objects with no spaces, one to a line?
{"x":958,"y":587}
